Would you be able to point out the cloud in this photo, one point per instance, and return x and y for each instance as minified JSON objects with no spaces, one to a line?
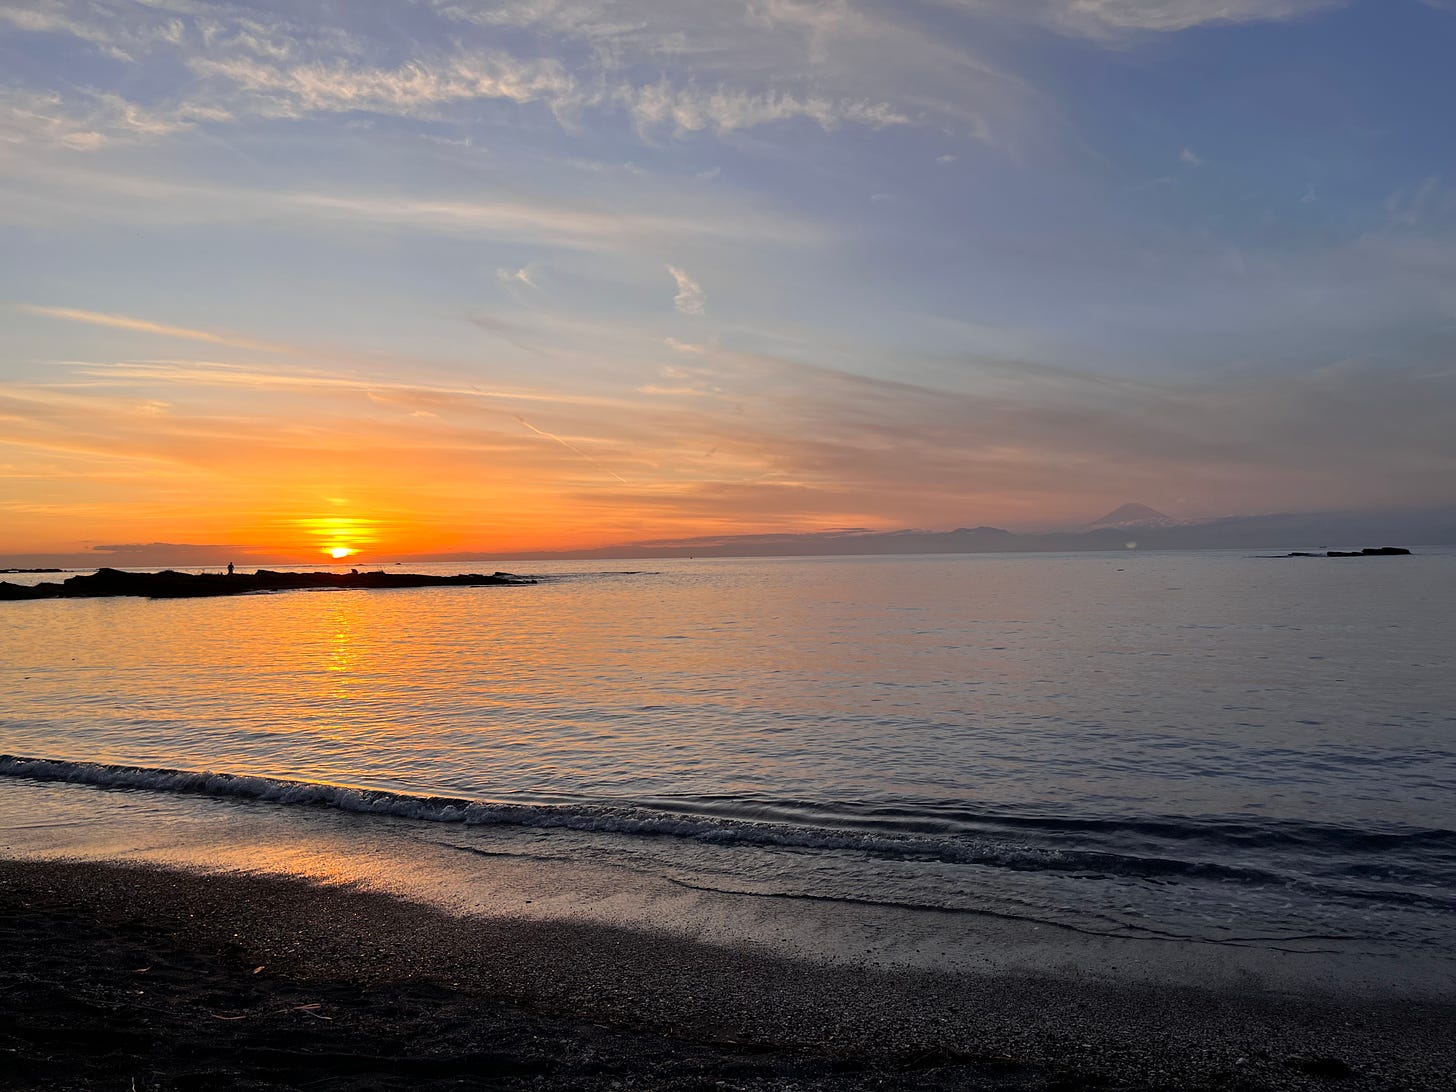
{"x":540,"y":222}
{"x":120,"y":39}
{"x":224,"y":375}
{"x":703,"y":66}
{"x":733,"y":440}
{"x":1109,"y":18}
{"x":1189,"y":158}
{"x":414,"y":89}
{"x":87,"y":121}
{"x":510,"y":332}
{"x":689,"y":299}
{"x":647,"y":213}
{"x":1036,"y":438}
{"x":144,"y":326}
{"x":1411,"y":206}
{"x":175,"y":553}
{"x":569,"y":446}
{"x":724,"y":110}
{"x":34,"y":117}
{"x":421,"y":87}
{"x":523,"y":275}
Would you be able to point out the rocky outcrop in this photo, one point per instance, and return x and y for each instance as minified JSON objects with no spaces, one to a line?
{"x":170,"y":584}
{"x":1369,"y":551}
{"x":1376,"y":551}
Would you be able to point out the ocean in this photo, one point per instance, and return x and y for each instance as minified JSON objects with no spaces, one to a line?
{"x":1245,"y":753}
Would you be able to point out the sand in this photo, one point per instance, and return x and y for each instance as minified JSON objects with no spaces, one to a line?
{"x":122,"y":977}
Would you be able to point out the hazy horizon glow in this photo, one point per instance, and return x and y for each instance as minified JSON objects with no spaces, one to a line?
{"x":443,"y":276}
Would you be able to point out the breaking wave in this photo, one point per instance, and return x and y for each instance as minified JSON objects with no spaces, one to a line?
{"x":1333,"y":859}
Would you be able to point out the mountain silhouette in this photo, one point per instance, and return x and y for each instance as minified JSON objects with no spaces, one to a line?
{"x":1134,"y":515}
{"x":1149,"y":528}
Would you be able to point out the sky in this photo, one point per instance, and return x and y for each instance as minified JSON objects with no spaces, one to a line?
{"x":448,"y":276}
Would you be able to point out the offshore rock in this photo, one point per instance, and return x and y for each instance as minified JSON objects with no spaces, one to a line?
{"x":170,"y":584}
{"x":1369,"y":551}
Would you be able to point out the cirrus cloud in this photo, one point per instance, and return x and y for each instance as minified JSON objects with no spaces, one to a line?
{"x":689,"y":299}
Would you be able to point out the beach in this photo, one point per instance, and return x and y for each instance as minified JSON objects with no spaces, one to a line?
{"x":118,"y":974}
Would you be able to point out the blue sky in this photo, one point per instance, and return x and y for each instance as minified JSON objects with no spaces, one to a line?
{"x":542,"y":273}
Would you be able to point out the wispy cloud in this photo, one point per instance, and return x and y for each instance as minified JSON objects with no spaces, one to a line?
{"x":522,"y":276}
{"x":412,"y":89}
{"x":420,"y":88}
{"x":734,"y":439}
{"x":648,"y":214}
{"x":202,"y":374}
{"x":117,"y":38}
{"x":689,"y":109}
{"x":578,"y":452}
{"x":92,"y":120}
{"x":145,"y":326}
{"x":540,"y":222}
{"x":716,"y":67}
{"x":689,"y":299}
{"x":704,"y":66}
{"x":1423,"y":202}
{"x":1105,"y":18}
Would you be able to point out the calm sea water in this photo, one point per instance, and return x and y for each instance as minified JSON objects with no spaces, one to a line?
{"x":1254,"y":751}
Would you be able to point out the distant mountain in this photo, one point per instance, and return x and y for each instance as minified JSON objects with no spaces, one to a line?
{"x":1148,"y":529}
{"x":1133,"y":515}
{"x":1308,"y":530}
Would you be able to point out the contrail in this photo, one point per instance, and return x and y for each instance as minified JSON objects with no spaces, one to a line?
{"x":571,"y":448}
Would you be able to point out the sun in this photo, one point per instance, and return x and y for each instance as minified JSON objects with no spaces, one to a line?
{"x":338,"y":537}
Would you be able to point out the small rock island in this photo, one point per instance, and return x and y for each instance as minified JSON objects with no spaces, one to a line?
{"x":170,"y":584}
{"x":1369,"y":551}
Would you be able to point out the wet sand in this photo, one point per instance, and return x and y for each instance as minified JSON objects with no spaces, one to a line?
{"x":120,"y":977}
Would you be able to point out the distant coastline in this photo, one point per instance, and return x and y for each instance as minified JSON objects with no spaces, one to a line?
{"x":1318,"y":531}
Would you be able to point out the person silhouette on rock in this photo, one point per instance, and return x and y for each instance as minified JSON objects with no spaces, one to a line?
{"x":230,"y":568}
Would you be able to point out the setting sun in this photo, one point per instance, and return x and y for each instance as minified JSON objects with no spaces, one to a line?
{"x":338,"y":553}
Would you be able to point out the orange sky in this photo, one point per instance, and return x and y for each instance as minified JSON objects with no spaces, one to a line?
{"x":291,"y":451}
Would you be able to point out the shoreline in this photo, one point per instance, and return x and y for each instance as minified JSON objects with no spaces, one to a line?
{"x":113,"y":971}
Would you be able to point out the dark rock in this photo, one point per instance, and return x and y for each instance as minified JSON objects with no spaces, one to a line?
{"x":1321,"y":1067}
{"x":26,"y":591}
{"x":170,"y":584}
{"x":1369,"y":551}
